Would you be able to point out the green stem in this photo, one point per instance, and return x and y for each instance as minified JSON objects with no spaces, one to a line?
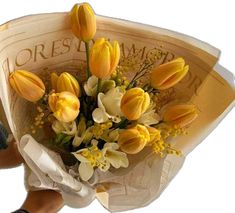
{"x":138,"y":74}
{"x":88,"y":73}
{"x":98,"y":85}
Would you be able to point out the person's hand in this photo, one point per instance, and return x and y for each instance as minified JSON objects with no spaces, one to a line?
{"x":45,"y":201}
{"x":10,"y":156}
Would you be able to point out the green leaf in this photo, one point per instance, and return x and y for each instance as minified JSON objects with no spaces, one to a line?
{"x":59,"y":137}
{"x":66,"y":139}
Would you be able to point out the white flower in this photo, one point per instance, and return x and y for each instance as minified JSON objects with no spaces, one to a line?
{"x":150,"y":117}
{"x":109,"y":106}
{"x":85,"y":168}
{"x":89,"y":159}
{"x":90,"y":86}
{"x":66,"y":128}
{"x":116,"y":158}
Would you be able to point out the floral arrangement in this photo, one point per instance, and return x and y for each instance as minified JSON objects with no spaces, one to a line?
{"x":112,"y":114}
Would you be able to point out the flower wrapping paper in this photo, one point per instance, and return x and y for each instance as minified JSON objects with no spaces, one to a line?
{"x":43,"y":43}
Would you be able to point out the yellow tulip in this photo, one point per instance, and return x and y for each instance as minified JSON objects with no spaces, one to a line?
{"x":104,"y":58}
{"x":180,"y":115}
{"x":133,"y":140}
{"x":65,"y":82}
{"x":27,"y":85}
{"x":168,"y":74}
{"x":65,"y":106}
{"x":83,"y":21}
{"x":154,"y":133}
{"x":134,"y":103}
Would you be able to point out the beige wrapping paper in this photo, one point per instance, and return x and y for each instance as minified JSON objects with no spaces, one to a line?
{"x":43,"y":43}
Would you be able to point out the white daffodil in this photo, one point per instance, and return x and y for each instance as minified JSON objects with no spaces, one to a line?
{"x":109,"y":106}
{"x":91,"y":158}
{"x":66,"y":128}
{"x":116,"y":158}
{"x":90,"y":86}
{"x":150,"y":117}
{"x":85,"y":168}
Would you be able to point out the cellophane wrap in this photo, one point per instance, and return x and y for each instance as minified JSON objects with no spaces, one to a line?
{"x":44,"y":43}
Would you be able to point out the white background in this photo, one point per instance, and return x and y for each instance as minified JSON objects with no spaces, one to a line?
{"x":206,"y":182}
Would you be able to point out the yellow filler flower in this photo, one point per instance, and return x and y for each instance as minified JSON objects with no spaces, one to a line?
{"x":83,"y":21}
{"x":168,"y":74}
{"x":104,"y":58}
{"x":27,"y":85}
{"x":65,"y":82}
{"x":180,"y":115}
{"x":134,"y":103}
{"x":133,"y":140}
{"x":65,"y":106}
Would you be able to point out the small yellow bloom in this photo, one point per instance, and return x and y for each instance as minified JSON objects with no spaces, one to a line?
{"x":27,"y":85}
{"x":83,"y":21}
{"x":134,"y":103}
{"x":65,"y":82}
{"x":65,"y":106}
{"x":180,"y":115}
{"x":154,"y":133}
{"x":134,"y":139}
{"x":104,"y":58}
{"x":168,"y":74}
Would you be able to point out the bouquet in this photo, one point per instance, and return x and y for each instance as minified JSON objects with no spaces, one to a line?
{"x":94,"y":127}
{"x":98,"y":122}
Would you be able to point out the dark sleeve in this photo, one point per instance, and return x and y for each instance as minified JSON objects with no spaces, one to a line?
{"x":20,"y":211}
{"x":3,"y":137}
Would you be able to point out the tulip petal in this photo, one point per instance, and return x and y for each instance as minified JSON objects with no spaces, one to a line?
{"x":168,"y":74}
{"x":180,"y":115}
{"x":75,"y":25}
{"x":65,"y":106}
{"x":27,"y":85}
{"x":66,"y":82}
{"x":104,"y":58}
{"x":87,"y":22}
{"x":32,"y":77}
{"x":115,"y":56}
{"x":83,"y":21}
{"x":54,"y":79}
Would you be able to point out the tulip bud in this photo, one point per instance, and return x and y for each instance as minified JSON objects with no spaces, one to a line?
{"x":104,"y":58}
{"x":83,"y":21}
{"x":65,"y":82}
{"x":134,"y":103}
{"x":154,"y":133}
{"x":168,"y":74}
{"x":133,"y":140}
{"x":65,"y":106}
{"x":180,"y":115}
{"x":27,"y":85}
